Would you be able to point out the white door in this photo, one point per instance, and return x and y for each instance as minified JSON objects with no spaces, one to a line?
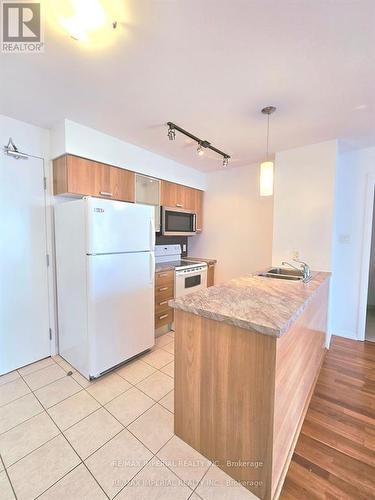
{"x":24,"y":316}
{"x":116,"y":226}
{"x":121,"y":308}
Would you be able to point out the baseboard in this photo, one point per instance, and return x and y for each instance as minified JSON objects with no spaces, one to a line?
{"x":346,"y":335}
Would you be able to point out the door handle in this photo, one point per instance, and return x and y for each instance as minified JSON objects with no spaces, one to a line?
{"x":179,"y":205}
{"x":105,"y":193}
{"x":163,"y":275}
{"x":152,"y":234}
{"x":152,"y":267}
{"x":163,"y":289}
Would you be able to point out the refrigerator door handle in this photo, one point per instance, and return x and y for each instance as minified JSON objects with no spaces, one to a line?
{"x":152,"y":267}
{"x":152,"y":234}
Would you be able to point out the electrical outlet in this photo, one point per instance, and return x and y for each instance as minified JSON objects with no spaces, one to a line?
{"x":184,"y":247}
{"x":295,"y":254}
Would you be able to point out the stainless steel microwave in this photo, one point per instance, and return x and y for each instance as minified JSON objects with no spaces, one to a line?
{"x":178,"y":222}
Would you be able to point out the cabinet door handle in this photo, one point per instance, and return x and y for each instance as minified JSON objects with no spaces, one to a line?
{"x":211,"y":265}
{"x":163,"y":289}
{"x":163,"y":275}
{"x":179,"y":205}
{"x":163,"y":316}
{"x":105,"y":193}
{"x":164,"y":302}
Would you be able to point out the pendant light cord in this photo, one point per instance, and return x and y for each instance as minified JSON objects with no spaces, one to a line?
{"x":268,"y":134}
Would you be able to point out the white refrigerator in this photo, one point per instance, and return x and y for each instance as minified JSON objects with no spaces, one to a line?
{"x":105,"y":270}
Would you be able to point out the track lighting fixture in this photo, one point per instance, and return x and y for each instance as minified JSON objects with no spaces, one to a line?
{"x":171,"y":132}
{"x":202,"y":145}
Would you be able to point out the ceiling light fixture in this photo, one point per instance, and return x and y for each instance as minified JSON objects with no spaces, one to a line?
{"x":88,"y":16}
{"x":172,"y":127}
{"x":266,"y":167}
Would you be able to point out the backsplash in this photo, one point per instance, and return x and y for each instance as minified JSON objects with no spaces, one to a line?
{"x":173,"y":240}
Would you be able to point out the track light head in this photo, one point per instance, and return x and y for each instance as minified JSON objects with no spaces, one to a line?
{"x":171,"y":133}
{"x":200,"y":150}
{"x":225,"y":161}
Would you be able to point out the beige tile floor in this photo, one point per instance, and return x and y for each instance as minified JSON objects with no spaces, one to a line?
{"x":63,"y":437}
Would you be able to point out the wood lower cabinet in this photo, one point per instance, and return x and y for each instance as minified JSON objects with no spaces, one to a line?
{"x":211,"y":275}
{"x":164,"y":291}
{"x":73,"y":175}
{"x":179,"y":196}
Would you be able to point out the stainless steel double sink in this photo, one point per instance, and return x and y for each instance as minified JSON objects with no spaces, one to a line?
{"x":283,"y":273}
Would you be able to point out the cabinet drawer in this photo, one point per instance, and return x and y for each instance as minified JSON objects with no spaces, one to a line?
{"x":164,"y":318}
{"x":162,"y":305}
{"x":163,"y":278}
{"x":164,"y":293}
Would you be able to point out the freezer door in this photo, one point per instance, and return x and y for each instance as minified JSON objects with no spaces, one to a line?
{"x":120,"y":308}
{"x":116,"y":226}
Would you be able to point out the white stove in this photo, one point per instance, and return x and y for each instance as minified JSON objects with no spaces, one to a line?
{"x":190,"y":276}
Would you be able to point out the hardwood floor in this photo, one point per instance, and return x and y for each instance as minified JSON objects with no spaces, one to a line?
{"x":335,"y":453}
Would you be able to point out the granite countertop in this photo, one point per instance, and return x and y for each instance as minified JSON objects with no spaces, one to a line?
{"x":199,"y":259}
{"x":165,"y":266}
{"x":170,"y":266}
{"x":266,"y":305}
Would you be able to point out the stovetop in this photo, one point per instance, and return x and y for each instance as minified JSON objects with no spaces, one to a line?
{"x":183,"y":262}
{"x":171,"y":254}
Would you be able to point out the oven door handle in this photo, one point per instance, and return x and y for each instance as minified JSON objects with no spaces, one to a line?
{"x":193,"y":273}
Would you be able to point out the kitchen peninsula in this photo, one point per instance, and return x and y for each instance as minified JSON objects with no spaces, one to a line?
{"x":247,"y":356}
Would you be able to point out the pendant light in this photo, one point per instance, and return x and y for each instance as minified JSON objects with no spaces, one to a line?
{"x":266,"y":167}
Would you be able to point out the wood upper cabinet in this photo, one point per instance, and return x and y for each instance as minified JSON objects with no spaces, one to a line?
{"x":122,"y":184}
{"x":79,"y":176}
{"x":199,"y":208}
{"x":73,"y":175}
{"x":176,"y":195}
{"x":179,"y":196}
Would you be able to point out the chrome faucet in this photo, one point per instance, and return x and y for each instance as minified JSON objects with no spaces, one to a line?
{"x":305,"y":268}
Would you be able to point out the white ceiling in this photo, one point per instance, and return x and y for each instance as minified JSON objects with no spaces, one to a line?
{"x":209,"y":66}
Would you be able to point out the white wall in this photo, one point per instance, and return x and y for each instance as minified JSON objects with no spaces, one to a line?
{"x":73,"y":138}
{"x":371,"y":283}
{"x":237,"y":226}
{"x":304,"y":204}
{"x":353,"y":170}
